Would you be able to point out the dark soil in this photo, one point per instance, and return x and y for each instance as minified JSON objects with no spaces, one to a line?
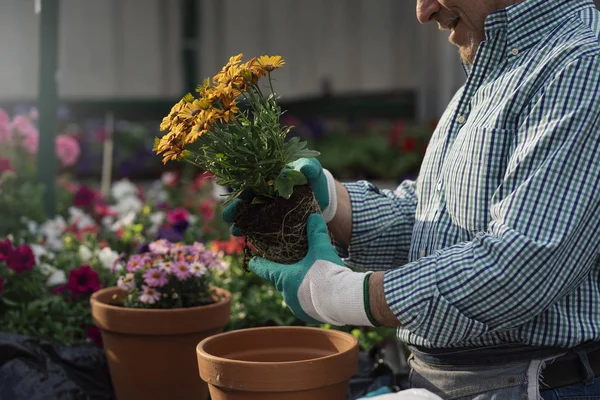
{"x":277,"y":230}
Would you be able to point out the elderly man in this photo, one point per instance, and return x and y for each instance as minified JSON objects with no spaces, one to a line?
{"x":487,"y":262}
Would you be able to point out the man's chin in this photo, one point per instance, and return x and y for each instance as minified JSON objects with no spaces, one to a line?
{"x":468,"y":52}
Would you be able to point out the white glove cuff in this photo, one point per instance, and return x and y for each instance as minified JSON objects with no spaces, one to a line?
{"x":331,"y":209}
{"x":334,"y":295}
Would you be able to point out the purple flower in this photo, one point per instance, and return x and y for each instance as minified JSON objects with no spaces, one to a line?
{"x":182,"y":270}
{"x":155,"y":277}
{"x":135,"y":263}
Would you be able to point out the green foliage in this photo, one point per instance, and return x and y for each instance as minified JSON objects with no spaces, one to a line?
{"x":19,"y":199}
{"x":50,"y":318}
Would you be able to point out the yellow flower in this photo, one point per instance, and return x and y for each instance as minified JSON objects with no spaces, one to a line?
{"x":203,"y":87}
{"x":229,"y":109}
{"x":173,"y":148}
{"x":168,"y":121}
{"x":269,"y":63}
{"x":234,"y":60}
{"x":191,"y":110}
{"x":255,"y":69}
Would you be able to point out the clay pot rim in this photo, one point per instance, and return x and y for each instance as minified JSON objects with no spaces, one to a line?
{"x":352,"y":344}
{"x":225,"y":297}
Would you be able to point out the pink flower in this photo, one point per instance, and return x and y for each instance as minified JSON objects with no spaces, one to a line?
{"x":177,"y":215}
{"x":67,"y":149}
{"x":207,"y":209}
{"x":135,"y":263}
{"x":155,"y":277}
{"x":149,"y":295}
{"x":182,"y":270}
{"x":198,"y":269}
{"x":161,"y":246}
{"x":169,"y":178}
{"x":202,"y":179}
{"x":5,"y":129}
{"x":5,"y":165}
{"x":126,"y":283}
{"x":28,"y":132}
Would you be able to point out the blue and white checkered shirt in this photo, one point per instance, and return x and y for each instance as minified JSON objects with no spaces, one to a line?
{"x":497,"y":240}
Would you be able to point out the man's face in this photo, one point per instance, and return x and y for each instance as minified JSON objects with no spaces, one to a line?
{"x":464,"y":18}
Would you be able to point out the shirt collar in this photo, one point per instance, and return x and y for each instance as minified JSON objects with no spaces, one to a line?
{"x":527,"y":23}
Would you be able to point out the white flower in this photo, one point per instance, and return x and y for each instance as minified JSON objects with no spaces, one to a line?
{"x":52,"y":230}
{"x":54,"y":276}
{"x":58,"y":277}
{"x":125,"y":221}
{"x":157,"y":194}
{"x":107,"y":257}
{"x":85,"y":254}
{"x":218,"y":191}
{"x":38,"y":252}
{"x":80,"y":218}
{"x":127,"y":205}
{"x":107,"y":222}
{"x":122,"y":189}
{"x":156,"y":220}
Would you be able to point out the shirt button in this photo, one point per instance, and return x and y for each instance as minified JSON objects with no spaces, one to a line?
{"x":439,"y":186}
{"x":515,"y":52}
{"x":462,"y":119}
{"x":422,"y":253}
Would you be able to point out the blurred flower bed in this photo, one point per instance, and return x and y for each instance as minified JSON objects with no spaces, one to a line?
{"x":49,"y":267}
{"x":375,"y":149}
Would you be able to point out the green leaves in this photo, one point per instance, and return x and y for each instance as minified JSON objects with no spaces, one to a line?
{"x":284,"y":184}
{"x":252,"y":152}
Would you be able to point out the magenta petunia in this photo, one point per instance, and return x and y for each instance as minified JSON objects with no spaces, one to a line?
{"x":21,"y":259}
{"x":84,"y":197}
{"x":5,"y":249}
{"x":95,"y":335}
{"x":82,"y":281}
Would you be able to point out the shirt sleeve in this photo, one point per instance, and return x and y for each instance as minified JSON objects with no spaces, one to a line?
{"x":382,"y":223}
{"x":544,"y":235}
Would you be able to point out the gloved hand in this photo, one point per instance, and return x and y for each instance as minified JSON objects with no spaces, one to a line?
{"x":321,"y":182}
{"x":319,"y":288}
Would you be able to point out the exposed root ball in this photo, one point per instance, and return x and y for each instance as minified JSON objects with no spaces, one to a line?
{"x":277,"y":230}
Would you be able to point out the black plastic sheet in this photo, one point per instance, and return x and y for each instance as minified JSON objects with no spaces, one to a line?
{"x":33,"y":369}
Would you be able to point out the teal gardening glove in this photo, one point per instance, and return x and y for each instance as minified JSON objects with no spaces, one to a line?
{"x":320,"y":288}
{"x":321,"y":182}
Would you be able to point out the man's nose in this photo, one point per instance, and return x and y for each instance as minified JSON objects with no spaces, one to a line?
{"x":426,"y":9}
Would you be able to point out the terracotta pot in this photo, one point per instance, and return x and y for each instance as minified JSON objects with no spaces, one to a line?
{"x":151,"y":352}
{"x":283,"y":363}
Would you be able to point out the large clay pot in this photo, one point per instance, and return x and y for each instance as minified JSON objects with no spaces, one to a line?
{"x":278,"y":363}
{"x":151,"y":352}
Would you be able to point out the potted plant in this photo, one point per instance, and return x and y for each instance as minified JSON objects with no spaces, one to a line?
{"x":278,"y":363}
{"x":233,"y":130}
{"x":163,"y":306}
